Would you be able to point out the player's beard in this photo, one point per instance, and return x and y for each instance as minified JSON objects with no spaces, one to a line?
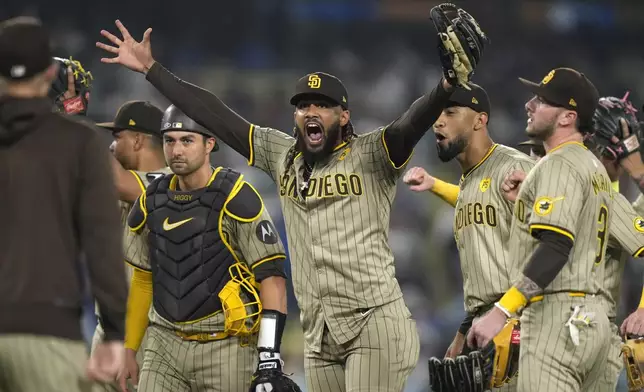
{"x":452,"y":150}
{"x":543,"y":130}
{"x":185,"y":167}
{"x":330,"y":139}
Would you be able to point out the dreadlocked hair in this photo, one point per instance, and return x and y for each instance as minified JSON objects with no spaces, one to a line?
{"x":348,"y":134}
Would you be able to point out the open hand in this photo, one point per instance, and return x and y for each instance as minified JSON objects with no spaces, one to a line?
{"x":134,"y":55}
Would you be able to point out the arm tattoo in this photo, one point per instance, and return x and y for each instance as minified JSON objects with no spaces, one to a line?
{"x":528,"y":288}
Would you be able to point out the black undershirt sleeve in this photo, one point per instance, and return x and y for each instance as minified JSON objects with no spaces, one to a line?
{"x":549,"y":258}
{"x":402,"y":135}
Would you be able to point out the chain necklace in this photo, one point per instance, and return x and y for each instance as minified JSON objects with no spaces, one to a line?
{"x":308,"y":170}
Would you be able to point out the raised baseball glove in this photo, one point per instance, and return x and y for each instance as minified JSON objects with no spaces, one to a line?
{"x":467,"y":373}
{"x":506,"y":358}
{"x":461,"y":42}
{"x":633,"y":356}
{"x":608,"y":137}
{"x":67,"y":98}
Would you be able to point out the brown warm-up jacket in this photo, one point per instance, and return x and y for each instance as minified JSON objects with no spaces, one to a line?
{"x":57,"y":199}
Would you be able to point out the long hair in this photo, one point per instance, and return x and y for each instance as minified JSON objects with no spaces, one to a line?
{"x":348,"y":134}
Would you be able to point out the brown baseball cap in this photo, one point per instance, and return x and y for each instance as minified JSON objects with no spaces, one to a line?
{"x":321,"y":84}
{"x":476,"y":98}
{"x":139,"y":116}
{"x":570,"y":89}
{"x":24,"y":48}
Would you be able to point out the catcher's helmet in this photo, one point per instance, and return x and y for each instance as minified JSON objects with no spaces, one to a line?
{"x":82,"y":83}
{"x":176,"y":120}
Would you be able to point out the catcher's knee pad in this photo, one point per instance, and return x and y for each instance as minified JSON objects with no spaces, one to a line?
{"x":240,"y":302}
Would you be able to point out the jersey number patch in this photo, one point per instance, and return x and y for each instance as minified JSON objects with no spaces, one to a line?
{"x":602,"y":222}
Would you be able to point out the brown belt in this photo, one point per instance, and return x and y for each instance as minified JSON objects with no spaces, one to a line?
{"x":538,"y":298}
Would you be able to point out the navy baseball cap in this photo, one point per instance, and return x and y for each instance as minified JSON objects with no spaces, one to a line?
{"x":475,"y":99}
{"x":25,"y":48}
{"x":321,"y":84}
{"x":569,"y":89}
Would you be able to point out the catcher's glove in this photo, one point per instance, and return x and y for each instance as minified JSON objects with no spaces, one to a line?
{"x":606,"y":124}
{"x":506,"y":358}
{"x":276,"y":379}
{"x":461,"y":42}
{"x":471,"y":373}
{"x":633,"y":356}
{"x":68,"y":98}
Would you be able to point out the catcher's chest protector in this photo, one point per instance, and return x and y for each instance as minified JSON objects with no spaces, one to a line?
{"x":189,"y":258}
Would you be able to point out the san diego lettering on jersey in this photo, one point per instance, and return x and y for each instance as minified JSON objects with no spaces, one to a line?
{"x":330,"y":185}
{"x":477,"y":214}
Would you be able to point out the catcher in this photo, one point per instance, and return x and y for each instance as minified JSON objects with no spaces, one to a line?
{"x":70,"y":90}
{"x":212,"y":245}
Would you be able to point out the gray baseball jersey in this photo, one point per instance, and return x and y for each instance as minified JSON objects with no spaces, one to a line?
{"x":482,"y":223}
{"x":626,"y":239}
{"x":342,"y":263}
{"x":568,"y":192}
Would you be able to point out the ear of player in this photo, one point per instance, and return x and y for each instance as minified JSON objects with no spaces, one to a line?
{"x":269,"y":376}
{"x":633,"y":357}
{"x":461,"y":42}
{"x":491,"y":367}
{"x":609,"y":138}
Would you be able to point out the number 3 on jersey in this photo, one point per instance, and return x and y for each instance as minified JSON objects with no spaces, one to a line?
{"x":602,"y":222}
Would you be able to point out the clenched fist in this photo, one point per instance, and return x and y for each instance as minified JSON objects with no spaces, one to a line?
{"x":419,"y":180}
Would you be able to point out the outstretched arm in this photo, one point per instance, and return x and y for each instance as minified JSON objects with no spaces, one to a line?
{"x":402,"y":135}
{"x":204,"y":107}
{"x":199,"y":104}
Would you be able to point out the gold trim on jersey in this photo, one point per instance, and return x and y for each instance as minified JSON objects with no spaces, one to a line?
{"x":173,"y":181}
{"x":384,"y":143}
{"x":130,"y":264}
{"x":234,"y":193}
{"x":336,"y":148}
{"x":565,"y":144}
{"x":559,"y":230}
{"x":142,"y":203}
{"x":485,"y":157}
{"x":138,"y":179}
{"x":251,"y":155}
{"x":538,"y":298}
{"x":639,"y":252}
{"x":269,"y":258}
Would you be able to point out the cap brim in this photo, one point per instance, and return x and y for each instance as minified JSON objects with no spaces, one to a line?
{"x":531,"y":143}
{"x":298,"y":97}
{"x":532,"y":86}
{"x":108,"y":125}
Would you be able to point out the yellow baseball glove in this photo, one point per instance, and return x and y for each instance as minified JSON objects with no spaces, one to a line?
{"x":633,"y":356}
{"x":506,"y":359}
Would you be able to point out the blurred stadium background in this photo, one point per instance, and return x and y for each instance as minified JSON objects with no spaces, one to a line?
{"x":251,"y":52}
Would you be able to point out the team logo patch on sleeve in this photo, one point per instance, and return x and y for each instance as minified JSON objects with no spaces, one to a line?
{"x":543,"y":206}
{"x":484,"y":185}
{"x":266,"y":232}
{"x":638,"y":223}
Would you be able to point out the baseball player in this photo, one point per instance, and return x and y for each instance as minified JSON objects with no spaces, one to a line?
{"x":626,"y":239}
{"x":336,"y":190}
{"x":138,"y":158}
{"x":207,"y":230}
{"x":483,"y":216}
{"x":558,"y":241}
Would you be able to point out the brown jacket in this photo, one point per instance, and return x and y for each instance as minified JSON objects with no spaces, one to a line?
{"x":57,"y":200}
